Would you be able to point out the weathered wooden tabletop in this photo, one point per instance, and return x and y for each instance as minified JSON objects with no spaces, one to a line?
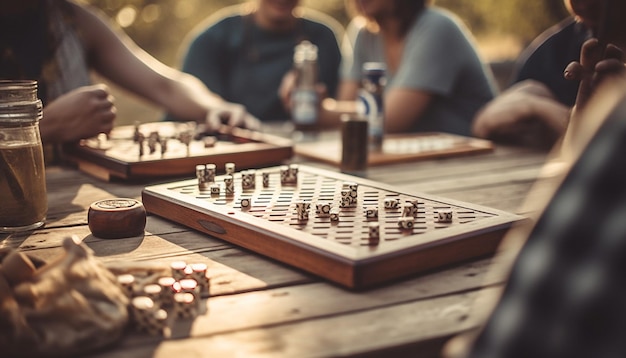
{"x":260,"y":307}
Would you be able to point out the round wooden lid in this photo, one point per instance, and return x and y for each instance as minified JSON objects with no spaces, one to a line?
{"x":116,"y":218}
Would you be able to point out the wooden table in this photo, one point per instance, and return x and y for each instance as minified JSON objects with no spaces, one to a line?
{"x":260,"y":307}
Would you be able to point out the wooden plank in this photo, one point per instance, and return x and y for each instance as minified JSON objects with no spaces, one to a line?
{"x":231,"y":269}
{"x":413,"y":327}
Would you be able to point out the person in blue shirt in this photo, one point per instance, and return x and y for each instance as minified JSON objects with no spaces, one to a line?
{"x":244,"y":52}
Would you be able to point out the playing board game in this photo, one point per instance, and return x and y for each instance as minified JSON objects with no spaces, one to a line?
{"x":354,"y":232}
{"x":399,"y":148}
{"x":167,"y":149}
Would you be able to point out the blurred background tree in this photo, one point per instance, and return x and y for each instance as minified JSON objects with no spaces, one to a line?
{"x":502,"y":27}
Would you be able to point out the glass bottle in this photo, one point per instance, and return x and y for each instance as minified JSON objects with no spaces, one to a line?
{"x":370,"y":102}
{"x":304,"y":98}
{"x":22,"y":172}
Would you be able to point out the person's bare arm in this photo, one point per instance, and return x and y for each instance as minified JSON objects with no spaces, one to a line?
{"x":510,"y":112}
{"x":403,"y":107}
{"x":119,"y":59}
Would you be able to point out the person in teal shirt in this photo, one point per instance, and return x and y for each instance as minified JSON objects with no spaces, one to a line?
{"x":244,"y":56}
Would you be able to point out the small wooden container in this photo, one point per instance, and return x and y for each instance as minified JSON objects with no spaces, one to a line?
{"x":116,"y":218}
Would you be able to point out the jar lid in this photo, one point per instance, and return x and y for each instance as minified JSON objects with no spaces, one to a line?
{"x":19,"y":103}
{"x":21,"y":112}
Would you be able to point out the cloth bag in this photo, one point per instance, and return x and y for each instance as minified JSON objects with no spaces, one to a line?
{"x":65,"y":307}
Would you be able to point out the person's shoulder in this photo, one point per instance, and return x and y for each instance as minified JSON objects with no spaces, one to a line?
{"x":564,"y":30}
{"x":317,"y":21}
{"x":439,"y":18}
{"x":554,"y":40}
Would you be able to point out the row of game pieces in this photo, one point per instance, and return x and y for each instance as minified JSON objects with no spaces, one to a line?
{"x":154,"y":139}
{"x":206,"y":173}
{"x":157,"y":300}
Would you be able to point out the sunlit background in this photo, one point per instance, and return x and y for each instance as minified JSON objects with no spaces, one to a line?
{"x":502,"y":28}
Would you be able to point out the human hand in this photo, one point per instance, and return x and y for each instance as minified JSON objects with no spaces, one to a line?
{"x":231,"y":115}
{"x":287,"y":86}
{"x":527,"y":113}
{"x":595,"y":65}
{"x":82,"y":113}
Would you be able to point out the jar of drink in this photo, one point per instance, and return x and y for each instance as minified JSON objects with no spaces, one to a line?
{"x":22,"y":172}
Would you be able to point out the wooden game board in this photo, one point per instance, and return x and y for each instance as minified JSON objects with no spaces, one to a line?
{"x":399,"y":148}
{"x":336,"y":250}
{"x":118,"y":155}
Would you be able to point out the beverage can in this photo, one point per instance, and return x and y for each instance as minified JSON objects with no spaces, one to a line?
{"x":370,"y":101}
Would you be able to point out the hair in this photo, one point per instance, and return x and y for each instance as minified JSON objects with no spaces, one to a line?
{"x":32,"y":24}
{"x":405,"y":10}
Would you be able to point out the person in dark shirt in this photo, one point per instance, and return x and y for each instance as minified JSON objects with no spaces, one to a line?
{"x":244,"y":52}
{"x":535,"y":109}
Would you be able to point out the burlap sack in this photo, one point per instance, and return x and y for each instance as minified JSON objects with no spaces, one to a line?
{"x":62,"y":308}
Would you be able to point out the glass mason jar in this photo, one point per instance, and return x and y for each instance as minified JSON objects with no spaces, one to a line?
{"x":23,"y":197}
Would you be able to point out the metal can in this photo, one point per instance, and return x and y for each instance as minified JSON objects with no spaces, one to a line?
{"x":354,"y":145}
{"x":370,"y":101}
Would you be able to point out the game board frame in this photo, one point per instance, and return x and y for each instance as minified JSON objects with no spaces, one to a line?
{"x":328,"y":149}
{"x":254,"y":149}
{"x":354,"y":268}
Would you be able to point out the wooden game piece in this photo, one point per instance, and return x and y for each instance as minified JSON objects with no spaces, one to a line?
{"x":302,"y":210}
{"x":444,"y":216}
{"x":334,"y":214}
{"x":284,"y":174}
{"x":201,"y":175}
{"x":184,"y":305}
{"x":266,"y":179}
{"x":141,"y":308}
{"x":409,"y":209}
{"x":247,"y":180}
{"x":209,"y":141}
{"x":167,"y":290}
{"x":370,"y":212}
{"x":156,"y":324}
{"x":322,"y":209}
{"x":244,"y":203}
{"x":153,"y":138}
{"x":178,"y":269}
{"x":153,"y":291}
{"x":140,"y":140}
{"x":406,"y":222}
{"x":137,"y":133}
{"x":229,"y":168}
{"x":391,"y":203}
{"x":163,"y":142}
{"x":210,"y":172}
{"x":189,"y":285}
{"x":185,"y":137}
{"x":199,"y":273}
{"x":127,"y":283}
{"x":116,"y":218}
{"x":229,"y":185}
{"x":215,"y":189}
{"x":374,"y":233}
